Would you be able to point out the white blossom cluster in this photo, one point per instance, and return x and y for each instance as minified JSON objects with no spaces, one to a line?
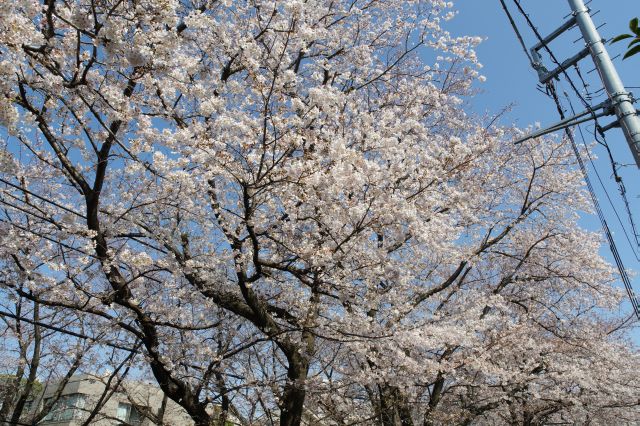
{"x":282,"y":209}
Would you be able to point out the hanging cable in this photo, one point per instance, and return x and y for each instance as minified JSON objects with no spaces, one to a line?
{"x":588,"y":95}
{"x":517,"y":31}
{"x":551,"y":54}
{"x":621,"y":187}
{"x":635,"y":303}
{"x":613,"y":207}
{"x":602,"y":140}
{"x":634,"y":229}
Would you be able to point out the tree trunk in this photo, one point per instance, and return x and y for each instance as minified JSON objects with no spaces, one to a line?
{"x":33,"y":369}
{"x":294,"y":393}
{"x":394,"y":409}
{"x":436,"y":394}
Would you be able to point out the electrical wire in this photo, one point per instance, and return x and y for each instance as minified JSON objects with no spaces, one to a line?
{"x":602,"y":140}
{"x":593,"y":166}
{"x":551,"y":91}
{"x":634,"y":229}
{"x":587,"y":94}
{"x":621,"y":187}
{"x":553,"y":57}
{"x":635,"y":303}
{"x":515,"y":29}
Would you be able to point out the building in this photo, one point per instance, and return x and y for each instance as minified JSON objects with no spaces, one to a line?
{"x":132,"y":403}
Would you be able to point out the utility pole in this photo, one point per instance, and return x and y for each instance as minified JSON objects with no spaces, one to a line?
{"x":621,"y":100}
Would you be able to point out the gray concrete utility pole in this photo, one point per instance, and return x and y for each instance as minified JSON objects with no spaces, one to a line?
{"x":620,"y":98}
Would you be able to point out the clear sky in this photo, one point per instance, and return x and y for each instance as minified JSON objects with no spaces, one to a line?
{"x":510,"y":80}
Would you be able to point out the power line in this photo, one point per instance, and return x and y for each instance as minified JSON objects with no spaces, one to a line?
{"x":615,"y":211}
{"x":517,"y":31}
{"x":612,"y":245}
{"x":621,"y":187}
{"x":587,"y":93}
{"x":551,"y":90}
{"x":551,"y":54}
{"x":618,"y":179}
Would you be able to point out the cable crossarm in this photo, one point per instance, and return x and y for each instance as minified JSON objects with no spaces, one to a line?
{"x":555,"y":60}
{"x":545,"y":76}
{"x":606,"y":107}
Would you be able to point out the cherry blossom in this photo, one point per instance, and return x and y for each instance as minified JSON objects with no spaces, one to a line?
{"x":283,"y":209}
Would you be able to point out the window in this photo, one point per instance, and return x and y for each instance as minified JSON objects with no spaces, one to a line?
{"x":128,"y":413}
{"x":67,"y":407}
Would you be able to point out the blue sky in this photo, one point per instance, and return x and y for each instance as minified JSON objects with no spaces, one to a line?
{"x":511,"y":81}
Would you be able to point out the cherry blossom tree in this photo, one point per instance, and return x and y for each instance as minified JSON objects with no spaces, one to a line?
{"x":281,"y":209}
{"x":35,"y":355}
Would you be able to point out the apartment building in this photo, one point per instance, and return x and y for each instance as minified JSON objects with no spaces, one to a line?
{"x":133,"y":403}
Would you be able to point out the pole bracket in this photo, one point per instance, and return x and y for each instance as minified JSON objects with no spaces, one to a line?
{"x":544,"y":79}
{"x":606,"y":108}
